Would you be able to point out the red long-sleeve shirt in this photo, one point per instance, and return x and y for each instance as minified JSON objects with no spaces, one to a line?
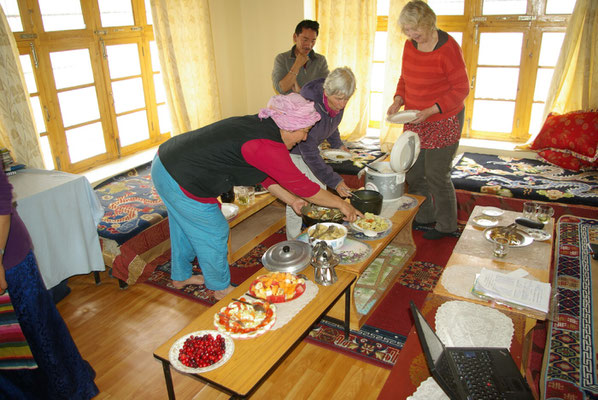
{"x":436,"y":77}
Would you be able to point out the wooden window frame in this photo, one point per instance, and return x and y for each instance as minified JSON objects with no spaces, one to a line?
{"x":533,"y":24}
{"x":39,"y":44}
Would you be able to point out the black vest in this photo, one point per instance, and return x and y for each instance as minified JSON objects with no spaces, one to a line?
{"x":208,"y":161}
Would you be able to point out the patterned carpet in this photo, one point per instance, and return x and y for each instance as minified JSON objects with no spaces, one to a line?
{"x":570,"y":370}
{"x":380,"y":340}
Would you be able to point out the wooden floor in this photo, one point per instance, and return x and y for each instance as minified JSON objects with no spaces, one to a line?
{"x":117,"y":331}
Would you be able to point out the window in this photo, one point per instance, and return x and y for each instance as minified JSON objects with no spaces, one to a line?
{"x":93,"y":77}
{"x":510,"y":49}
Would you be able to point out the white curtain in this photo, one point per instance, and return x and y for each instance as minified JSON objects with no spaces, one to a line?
{"x":574,"y":84}
{"x":392,"y":71}
{"x":346,"y":38}
{"x":17,"y":129}
{"x":183,"y":33}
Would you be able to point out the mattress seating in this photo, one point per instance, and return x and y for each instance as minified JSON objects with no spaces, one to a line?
{"x":134,"y":232}
{"x":134,"y":229}
{"x":507,"y":182}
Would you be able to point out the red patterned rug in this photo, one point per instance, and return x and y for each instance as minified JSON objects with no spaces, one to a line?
{"x":380,"y":340}
{"x":239,"y":272}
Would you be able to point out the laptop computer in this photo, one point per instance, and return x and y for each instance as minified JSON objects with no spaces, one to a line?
{"x":467,"y":373}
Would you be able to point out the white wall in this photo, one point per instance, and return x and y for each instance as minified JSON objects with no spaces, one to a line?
{"x":247,"y":35}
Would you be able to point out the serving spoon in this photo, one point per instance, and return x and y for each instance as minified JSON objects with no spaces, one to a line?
{"x":256,"y":306}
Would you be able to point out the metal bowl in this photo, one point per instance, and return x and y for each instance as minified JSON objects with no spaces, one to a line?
{"x":517,"y":238}
{"x":313,"y":214}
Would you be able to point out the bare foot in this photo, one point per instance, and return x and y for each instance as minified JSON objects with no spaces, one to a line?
{"x":193,"y":280}
{"x":219,"y":294}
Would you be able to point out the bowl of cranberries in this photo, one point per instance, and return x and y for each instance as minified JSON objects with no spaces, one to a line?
{"x":201,"y":351}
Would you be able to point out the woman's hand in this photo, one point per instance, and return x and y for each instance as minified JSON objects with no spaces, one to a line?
{"x":342,"y":189}
{"x":3,"y":284}
{"x":396,"y":105}
{"x":425,"y":114}
{"x":298,"y":204}
{"x":350,"y":212}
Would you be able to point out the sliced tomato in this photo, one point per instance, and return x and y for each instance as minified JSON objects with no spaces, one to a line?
{"x":299,"y":290}
{"x":276,"y":298}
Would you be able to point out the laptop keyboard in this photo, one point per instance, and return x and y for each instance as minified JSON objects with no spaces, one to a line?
{"x":476,"y":371}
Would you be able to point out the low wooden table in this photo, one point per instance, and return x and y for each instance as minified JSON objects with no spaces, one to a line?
{"x":401,"y":235}
{"x":411,"y":368}
{"x":254,"y":358}
{"x":535,"y":259}
{"x":258,"y":221}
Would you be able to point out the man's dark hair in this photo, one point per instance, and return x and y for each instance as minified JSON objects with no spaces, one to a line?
{"x":307,"y":24}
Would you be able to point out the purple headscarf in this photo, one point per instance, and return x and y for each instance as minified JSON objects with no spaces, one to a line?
{"x":290,"y":112}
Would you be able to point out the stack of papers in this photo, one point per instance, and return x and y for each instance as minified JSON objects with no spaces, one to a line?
{"x":512,"y":290}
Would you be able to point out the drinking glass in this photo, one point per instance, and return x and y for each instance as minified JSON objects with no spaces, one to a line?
{"x":529,"y":209}
{"x":501,"y":247}
{"x":245,"y":195}
{"x":544,"y":213}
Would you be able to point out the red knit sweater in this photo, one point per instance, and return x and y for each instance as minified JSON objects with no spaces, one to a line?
{"x":435,"y":77}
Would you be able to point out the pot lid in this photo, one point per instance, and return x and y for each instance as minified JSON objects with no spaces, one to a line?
{"x":288,"y":256}
{"x":404,"y":152}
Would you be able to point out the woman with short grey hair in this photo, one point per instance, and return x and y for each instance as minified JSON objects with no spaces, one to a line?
{"x":330,"y":96}
{"x":340,"y":82}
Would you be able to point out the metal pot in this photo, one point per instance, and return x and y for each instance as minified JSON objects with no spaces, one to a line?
{"x":324,"y":260}
{"x":288,"y":256}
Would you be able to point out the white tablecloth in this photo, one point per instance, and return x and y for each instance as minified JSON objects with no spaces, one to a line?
{"x":61,"y":212}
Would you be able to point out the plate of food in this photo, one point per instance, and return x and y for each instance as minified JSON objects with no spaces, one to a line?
{"x":277,"y":287}
{"x":201,"y":351}
{"x":484,"y":221}
{"x":402,"y":117}
{"x":336,"y":155}
{"x":517,"y":237}
{"x":241,"y":320}
{"x":229,"y":210}
{"x":372,"y":226}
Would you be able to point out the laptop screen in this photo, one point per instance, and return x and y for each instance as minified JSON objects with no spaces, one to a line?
{"x":433,"y":342}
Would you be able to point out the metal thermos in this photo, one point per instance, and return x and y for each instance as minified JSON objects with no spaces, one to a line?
{"x":324,"y":260}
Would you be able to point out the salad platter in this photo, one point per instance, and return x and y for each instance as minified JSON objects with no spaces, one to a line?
{"x":241,"y":320}
{"x":371,"y":227}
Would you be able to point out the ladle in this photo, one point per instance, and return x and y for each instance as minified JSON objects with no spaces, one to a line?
{"x":377,"y":170}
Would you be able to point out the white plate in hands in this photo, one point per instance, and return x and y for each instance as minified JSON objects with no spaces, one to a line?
{"x":402,"y":117}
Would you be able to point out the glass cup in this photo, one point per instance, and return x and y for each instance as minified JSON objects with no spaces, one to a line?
{"x":544,"y":213}
{"x":501,"y":247}
{"x":529,"y":209}
{"x":245,"y":195}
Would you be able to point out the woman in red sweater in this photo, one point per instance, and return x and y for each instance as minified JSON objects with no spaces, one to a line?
{"x":433,"y":81}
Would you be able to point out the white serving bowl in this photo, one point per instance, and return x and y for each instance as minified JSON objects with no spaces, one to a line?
{"x":333,"y":243}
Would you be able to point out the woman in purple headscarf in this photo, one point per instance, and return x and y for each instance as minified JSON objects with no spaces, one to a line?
{"x":192,"y":169}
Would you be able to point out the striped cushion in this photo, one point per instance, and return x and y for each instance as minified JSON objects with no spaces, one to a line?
{"x":14,"y":350}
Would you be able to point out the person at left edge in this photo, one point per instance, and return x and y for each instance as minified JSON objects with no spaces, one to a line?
{"x":61,"y":372}
{"x":192,"y":169}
